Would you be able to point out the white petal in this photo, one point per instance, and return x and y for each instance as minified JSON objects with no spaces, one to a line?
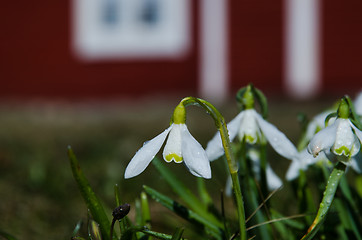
{"x":346,"y":142}
{"x":249,"y":128}
{"x":214,"y":148}
{"x":318,"y":123}
{"x":311,"y":130}
{"x":194,"y":155}
{"x":172,"y":150}
{"x":293,"y":170}
{"x":358,"y":103}
{"x":356,"y":163}
{"x":228,"y":186}
{"x":273,"y":180}
{"x":323,"y":140}
{"x":145,"y":154}
{"x":277,"y":139}
{"x":358,"y":141}
{"x":234,"y":125}
{"x":357,"y":132}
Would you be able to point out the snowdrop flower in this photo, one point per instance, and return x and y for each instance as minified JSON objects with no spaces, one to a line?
{"x":341,"y":137}
{"x":249,"y":125}
{"x":180,"y":147}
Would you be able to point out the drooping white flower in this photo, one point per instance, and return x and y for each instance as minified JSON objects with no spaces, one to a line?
{"x":181,"y":146}
{"x":249,"y":125}
{"x":341,"y":137}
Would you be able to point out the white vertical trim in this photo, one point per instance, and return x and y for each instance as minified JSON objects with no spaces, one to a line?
{"x":213,"y":84}
{"x":302,"y":50}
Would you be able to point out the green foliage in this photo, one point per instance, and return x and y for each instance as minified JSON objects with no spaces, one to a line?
{"x":198,"y":208}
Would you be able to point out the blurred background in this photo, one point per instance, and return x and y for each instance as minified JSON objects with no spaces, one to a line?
{"x":105,"y":75}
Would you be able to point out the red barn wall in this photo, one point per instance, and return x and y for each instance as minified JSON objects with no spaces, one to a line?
{"x":342,"y":45}
{"x":36,"y":59}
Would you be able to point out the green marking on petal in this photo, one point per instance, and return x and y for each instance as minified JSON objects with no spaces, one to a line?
{"x":343,"y":150}
{"x":174,"y":157}
{"x":250,"y":139}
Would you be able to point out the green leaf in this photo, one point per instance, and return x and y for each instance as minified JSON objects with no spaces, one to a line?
{"x":184,"y":212}
{"x":346,"y":217}
{"x":89,"y":196}
{"x":93,"y":230}
{"x":184,"y":193}
{"x":283,"y":230}
{"x":327,"y":200}
{"x":204,"y":194}
{"x":178,"y":234}
{"x":146,"y":216}
{"x":291,"y":223}
{"x":359,"y":186}
{"x":158,"y":235}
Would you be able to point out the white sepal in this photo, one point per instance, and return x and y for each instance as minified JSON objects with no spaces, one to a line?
{"x":145,"y":154}
{"x":323,"y":140}
{"x":277,"y":139}
{"x":194,"y":155}
{"x":214,"y":148}
{"x":356,"y":163}
{"x":357,"y":132}
{"x":273,"y":180}
{"x":293,"y":170}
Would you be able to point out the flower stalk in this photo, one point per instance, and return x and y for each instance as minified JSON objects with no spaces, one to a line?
{"x":233,"y":169}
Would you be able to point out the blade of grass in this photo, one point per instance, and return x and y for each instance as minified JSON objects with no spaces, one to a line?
{"x":178,"y":234}
{"x":158,"y":235}
{"x":184,"y":193}
{"x":327,"y":200}
{"x":184,"y":212}
{"x":89,"y":196}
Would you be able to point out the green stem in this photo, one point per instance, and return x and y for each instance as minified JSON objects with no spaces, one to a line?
{"x":263,"y":164}
{"x":221,"y":125}
{"x":327,"y":200}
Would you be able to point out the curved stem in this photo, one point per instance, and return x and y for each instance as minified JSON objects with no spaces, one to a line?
{"x":327,"y":200}
{"x":221,"y":126}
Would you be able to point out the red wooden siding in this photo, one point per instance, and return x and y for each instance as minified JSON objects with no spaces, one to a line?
{"x":342,"y":45}
{"x":256,"y":44}
{"x":36,"y":59}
